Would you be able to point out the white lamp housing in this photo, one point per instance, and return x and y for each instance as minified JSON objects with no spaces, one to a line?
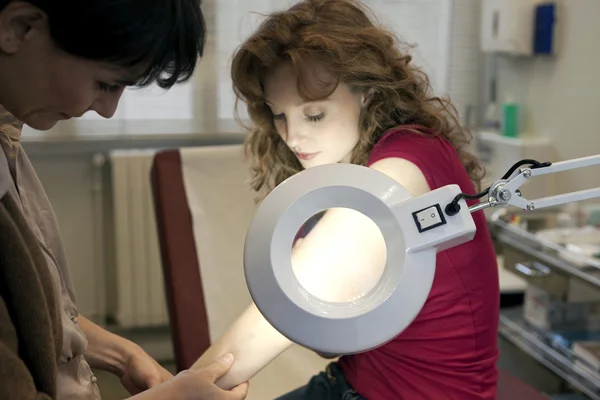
{"x":414,"y":230}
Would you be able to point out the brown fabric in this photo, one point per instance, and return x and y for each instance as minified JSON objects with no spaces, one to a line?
{"x":30,"y":326}
{"x":183,"y":284}
{"x":75,"y":379}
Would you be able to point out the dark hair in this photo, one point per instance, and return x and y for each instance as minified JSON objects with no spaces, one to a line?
{"x":359,"y":53}
{"x":167,"y":36}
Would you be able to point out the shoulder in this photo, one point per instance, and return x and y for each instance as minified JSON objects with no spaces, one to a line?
{"x":403,"y":153}
{"x":412,"y":142}
{"x":405,"y":172}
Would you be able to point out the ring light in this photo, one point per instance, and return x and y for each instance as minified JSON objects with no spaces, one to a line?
{"x":414,"y":230}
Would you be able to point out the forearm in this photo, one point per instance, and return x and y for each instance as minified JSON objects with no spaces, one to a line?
{"x":253,"y":342}
{"x":106,"y":351}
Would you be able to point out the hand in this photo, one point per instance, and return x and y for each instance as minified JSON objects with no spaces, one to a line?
{"x":197,"y":385}
{"x":109,"y":352}
{"x":142,"y":372}
{"x":200,"y":384}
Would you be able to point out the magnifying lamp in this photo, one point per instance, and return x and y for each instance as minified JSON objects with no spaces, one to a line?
{"x":415,"y":229}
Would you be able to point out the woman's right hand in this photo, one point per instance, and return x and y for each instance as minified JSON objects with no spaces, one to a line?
{"x":197,"y":385}
{"x":200,"y":384}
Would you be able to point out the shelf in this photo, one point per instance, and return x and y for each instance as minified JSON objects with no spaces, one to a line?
{"x":547,"y":252}
{"x":491,"y":136}
{"x":543,"y":347}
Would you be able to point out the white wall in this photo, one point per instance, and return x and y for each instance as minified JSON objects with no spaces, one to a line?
{"x":560,"y":95}
{"x":444,"y":34}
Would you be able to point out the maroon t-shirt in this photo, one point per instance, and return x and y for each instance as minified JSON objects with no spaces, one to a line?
{"x":450,"y":349}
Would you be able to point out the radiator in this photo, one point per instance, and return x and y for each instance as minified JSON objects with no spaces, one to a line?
{"x":140,"y":290}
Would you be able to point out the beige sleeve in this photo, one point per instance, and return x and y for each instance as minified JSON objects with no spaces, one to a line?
{"x":16,"y":382}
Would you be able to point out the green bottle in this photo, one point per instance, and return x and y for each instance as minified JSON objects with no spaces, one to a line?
{"x":510,"y":119}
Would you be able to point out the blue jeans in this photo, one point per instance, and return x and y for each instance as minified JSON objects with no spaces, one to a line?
{"x":327,"y":385}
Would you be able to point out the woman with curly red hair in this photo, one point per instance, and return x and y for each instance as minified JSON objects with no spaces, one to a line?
{"x":324,"y":84}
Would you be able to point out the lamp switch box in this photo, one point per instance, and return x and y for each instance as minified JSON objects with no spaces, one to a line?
{"x":429,"y":218}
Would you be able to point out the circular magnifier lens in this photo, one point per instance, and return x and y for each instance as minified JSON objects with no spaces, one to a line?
{"x":355,"y":280}
{"x":304,"y":308}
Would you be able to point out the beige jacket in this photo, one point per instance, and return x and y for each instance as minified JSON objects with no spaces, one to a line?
{"x":20,"y":185}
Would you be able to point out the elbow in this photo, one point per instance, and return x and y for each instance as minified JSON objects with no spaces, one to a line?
{"x":339,"y":284}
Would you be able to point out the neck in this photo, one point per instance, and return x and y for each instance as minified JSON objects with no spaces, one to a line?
{"x":9,"y":124}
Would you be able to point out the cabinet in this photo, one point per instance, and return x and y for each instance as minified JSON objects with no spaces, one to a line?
{"x":507,"y":26}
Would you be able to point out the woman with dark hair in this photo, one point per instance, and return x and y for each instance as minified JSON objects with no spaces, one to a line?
{"x":324,"y":84}
{"x":58,"y":60}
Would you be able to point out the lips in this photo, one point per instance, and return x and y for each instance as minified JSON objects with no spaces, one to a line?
{"x":306,"y":156}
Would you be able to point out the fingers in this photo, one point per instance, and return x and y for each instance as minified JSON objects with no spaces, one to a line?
{"x":154,"y":381}
{"x":130,"y":387}
{"x":239,"y":392}
{"x":165,"y":375}
{"x":220,"y":367}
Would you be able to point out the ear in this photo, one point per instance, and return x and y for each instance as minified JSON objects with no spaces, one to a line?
{"x":366,"y":97}
{"x":17,"y":20}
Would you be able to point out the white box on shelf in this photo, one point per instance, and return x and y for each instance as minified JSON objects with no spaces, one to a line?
{"x":547,"y":313}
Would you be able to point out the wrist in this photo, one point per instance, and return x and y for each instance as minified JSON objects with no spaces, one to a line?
{"x":112,"y":357}
{"x":107,"y":351}
{"x":118,"y":353}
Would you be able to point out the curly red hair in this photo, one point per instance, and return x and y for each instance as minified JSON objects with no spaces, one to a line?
{"x":367,"y":57}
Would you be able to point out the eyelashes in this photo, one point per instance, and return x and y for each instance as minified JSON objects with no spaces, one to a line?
{"x":315,"y":118}
{"x":105,"y":87}
{"x":309,"y":118}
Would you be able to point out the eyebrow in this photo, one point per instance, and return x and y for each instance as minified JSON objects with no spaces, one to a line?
{"x":301,"y":102}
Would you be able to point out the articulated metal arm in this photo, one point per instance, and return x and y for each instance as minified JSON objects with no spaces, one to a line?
{"x":505,"y":192}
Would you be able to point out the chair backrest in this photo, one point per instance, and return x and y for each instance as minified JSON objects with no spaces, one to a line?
{"x":183,"y":284}
{"x":203,"y":206}
{"x":221,"y":205}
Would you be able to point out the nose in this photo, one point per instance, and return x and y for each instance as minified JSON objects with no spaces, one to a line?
{"x":294,"y":135}
{"x":106,"y":104}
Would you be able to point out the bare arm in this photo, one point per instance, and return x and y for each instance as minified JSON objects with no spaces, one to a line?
{"x":106,"y":350}
{"x":344,"y":244}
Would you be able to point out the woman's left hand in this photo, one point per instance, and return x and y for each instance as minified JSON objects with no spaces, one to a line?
{"x":142,"y":372}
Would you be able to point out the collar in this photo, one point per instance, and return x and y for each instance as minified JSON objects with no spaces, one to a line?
{"x":9,"y":124}
{"x":5,"y":176}
{"x":11,"y":127}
